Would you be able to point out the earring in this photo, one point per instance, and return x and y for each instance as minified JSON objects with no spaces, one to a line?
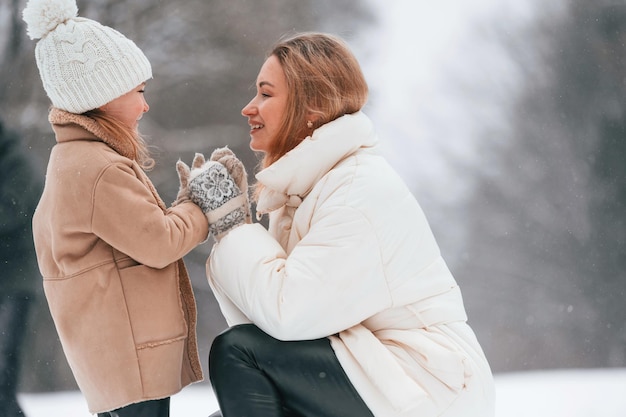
{"x":309,"y":124}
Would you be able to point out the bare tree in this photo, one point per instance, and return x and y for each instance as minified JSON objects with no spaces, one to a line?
{"x":548,"y":254}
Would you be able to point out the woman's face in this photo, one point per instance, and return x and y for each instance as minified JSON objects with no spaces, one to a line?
{"x":128,"y":108}
{"x":266,"y":110}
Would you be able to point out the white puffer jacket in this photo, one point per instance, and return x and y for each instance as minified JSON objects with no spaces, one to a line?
{"x":349,"y":255}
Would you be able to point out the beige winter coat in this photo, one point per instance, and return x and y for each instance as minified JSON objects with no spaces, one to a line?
{"x":111,"y":258}
{"x":350,"y":254}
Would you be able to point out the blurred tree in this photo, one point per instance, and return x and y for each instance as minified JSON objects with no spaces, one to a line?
{"x":549,"y":214}
{"x":601,"y":105}
{"x":20,"y":189}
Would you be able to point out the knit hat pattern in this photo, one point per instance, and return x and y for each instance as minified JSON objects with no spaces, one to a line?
{"x":83,"y":65}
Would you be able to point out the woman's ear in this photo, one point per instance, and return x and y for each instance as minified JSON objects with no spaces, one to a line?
{"x":312,"y":119}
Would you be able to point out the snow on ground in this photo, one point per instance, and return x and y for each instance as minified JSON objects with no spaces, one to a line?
{"x":563,"y":393}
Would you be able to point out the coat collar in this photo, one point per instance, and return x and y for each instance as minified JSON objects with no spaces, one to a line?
{"x":290,"y":179}
{"x":70,"y":126}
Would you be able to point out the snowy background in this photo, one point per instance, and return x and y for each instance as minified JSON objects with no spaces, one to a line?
{"x":475,"y":103}
{"x":568,"y":393}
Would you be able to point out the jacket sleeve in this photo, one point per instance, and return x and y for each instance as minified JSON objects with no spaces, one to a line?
{"x":128,"y":217}
{"x":332,"y":280}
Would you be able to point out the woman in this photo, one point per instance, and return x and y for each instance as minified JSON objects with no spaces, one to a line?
{"x":344,"y":307}
{"x":109,"y":250}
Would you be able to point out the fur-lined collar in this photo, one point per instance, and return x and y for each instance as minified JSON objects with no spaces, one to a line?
{"x":70,"y":126}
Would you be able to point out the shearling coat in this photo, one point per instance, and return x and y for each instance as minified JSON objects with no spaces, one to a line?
{"x":111,"y":258}
{"x":349,"y":255}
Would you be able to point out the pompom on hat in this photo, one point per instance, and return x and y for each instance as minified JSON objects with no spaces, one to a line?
{"x":83,"y":64}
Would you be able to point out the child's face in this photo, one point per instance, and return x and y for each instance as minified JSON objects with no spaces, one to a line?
{"x":129,"y":108}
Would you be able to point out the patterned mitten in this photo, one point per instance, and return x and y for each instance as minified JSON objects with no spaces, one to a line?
{"x":236,"y":170}
{"x":213,"y":189}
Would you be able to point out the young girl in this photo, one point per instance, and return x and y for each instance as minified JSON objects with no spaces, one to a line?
{"x":344,"y":307}
{"x":109,"y":250}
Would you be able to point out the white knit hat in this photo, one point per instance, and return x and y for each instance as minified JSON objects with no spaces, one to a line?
{"x":83,"y":64}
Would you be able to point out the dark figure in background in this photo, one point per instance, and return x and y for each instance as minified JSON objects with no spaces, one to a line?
{"x":19,"y":193}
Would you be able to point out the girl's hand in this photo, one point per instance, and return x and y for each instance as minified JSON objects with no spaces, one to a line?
{"x":183,"y":176}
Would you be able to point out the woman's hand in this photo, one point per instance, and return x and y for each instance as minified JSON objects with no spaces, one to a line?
{"x":214,"y":189}
{"x":236,"y":170}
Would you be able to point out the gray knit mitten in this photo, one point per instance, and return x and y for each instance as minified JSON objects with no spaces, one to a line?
{"x":236,"y":170}
{"x":213,"y":189}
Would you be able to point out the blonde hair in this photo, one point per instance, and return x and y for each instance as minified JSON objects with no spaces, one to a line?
{"x":114,"y":128}
{"x":323,"y":77}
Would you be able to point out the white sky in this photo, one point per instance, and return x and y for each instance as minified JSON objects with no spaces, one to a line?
{"x":438,"y":78}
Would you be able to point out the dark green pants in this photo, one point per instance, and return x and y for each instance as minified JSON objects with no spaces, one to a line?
{"x":255,"y":375}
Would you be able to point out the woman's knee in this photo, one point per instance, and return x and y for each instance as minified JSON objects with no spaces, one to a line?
{"x":234,"y":345}
{"x":233,"y":353}
{"x":237,"y":336}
